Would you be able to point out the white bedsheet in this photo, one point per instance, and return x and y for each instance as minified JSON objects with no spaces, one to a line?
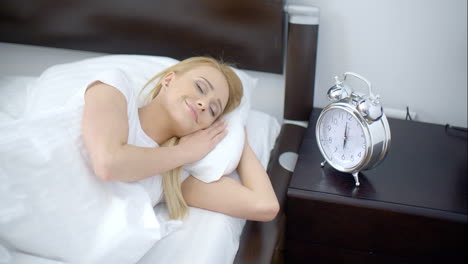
{"x":205,"y":236}
{"x":13,"y":93}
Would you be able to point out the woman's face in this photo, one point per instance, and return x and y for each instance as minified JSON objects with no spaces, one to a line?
{"x":195,"y":99}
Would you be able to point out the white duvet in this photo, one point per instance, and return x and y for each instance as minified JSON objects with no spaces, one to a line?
{"x":53,"y":209}
{"x":53,"y":206}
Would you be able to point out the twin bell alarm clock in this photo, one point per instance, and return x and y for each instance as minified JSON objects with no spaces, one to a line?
{"x":352,"y":131}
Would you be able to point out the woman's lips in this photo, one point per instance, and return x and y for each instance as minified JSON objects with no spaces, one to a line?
{"x":194,"y":113}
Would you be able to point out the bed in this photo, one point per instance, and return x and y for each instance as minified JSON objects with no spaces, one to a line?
{"x":39,"y":34}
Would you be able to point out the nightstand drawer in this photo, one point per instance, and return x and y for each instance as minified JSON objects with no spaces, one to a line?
{"x":365,"y":226}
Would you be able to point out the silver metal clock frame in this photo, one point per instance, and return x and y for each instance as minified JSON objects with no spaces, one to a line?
{"x":377,"y":135}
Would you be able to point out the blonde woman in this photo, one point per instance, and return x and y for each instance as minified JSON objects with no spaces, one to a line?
{"x":179,"y":125}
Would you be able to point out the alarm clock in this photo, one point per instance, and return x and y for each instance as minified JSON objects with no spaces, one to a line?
{"x":352,"y":131}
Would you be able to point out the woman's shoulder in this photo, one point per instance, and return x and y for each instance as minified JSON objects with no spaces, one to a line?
{"x":115,"y":78}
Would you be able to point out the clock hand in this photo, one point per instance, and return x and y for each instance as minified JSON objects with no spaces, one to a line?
{"x":345,"y":135}
{"x":346,"y":129}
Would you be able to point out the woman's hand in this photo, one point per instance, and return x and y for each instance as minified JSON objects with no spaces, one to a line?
{"x":198,"y":144}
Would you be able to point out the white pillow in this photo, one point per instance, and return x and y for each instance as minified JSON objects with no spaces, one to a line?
{"x":262,"y":131}
{"x":57,"y":86}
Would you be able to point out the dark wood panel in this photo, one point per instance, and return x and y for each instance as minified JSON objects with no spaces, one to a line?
{"x":248,"y":33}
{"x":331,"y":221}
{"x":306,"y":253}
{"x":301,"y":59}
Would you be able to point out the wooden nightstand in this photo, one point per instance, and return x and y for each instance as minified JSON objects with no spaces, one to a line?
{"x":412,"y":208}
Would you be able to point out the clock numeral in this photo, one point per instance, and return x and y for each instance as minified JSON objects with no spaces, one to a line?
{"x":349,"y":116}
{"x":329,"y":127}
{"x":335,"y":121}
{"x":343,"y":157}
{"x":364,"y":146}
{"x":352,"y":157}
{"x":359,"y":155}
{"x":336,"y":149}
{"x":330,"y":140}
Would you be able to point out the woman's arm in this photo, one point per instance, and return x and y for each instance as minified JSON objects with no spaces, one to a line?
{"x":254,"y":199}
{"x":105,"y":133}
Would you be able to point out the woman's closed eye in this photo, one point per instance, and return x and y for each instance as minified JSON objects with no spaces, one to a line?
{"x":200,"y":88}
{"x":213,"y":110}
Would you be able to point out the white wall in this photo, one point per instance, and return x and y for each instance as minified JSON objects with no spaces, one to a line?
{"x":414,"y":52}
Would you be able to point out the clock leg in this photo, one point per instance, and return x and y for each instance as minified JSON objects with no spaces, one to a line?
{"x":356,"y":178}
{"x":322,"y":164}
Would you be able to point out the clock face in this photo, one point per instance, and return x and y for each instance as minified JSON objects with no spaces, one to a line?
{"x":342,"y":139}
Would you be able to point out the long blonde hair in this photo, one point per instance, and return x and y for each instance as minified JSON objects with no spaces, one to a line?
{"x":175,"y":201}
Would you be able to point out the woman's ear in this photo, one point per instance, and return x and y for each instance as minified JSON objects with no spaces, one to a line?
{"x":166,"y":80}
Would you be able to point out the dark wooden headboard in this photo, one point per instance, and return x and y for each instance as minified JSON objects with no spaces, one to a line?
{"x":246,"y":32}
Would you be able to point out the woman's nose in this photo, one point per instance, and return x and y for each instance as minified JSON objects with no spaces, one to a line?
{"x":201,"y":105}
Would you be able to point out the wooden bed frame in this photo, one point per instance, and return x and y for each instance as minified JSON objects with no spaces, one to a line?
{"x":250,"y":33}
{"x":243,"y":31}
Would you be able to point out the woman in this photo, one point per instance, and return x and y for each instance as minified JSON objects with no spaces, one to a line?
{"x":186,"y":103}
